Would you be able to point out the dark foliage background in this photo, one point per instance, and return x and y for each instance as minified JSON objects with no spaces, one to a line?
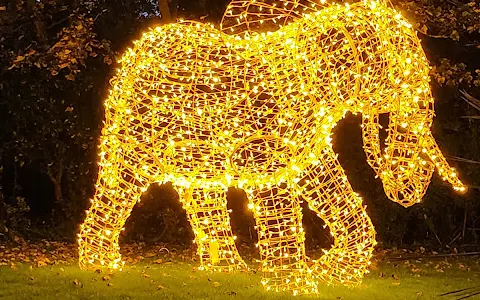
{"x":56,"y":57}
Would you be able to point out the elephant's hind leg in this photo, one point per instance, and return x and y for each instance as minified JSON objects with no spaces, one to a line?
{"x":208,"y":215}
{"x":330,"y":195}
{"x":117,"y":190}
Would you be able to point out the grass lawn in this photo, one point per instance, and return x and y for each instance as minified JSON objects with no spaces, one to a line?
{"x":165,"y":278}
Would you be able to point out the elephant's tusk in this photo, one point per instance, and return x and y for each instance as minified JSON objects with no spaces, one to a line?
{"x":446,"y":172}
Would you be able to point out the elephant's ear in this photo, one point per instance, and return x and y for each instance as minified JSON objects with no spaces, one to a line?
{"x":248,"y":16}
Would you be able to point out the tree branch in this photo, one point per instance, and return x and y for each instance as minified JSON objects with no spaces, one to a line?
{"x":37,"y":21}
{"x":474,"y":102}
{"x":57,"y":181}
{"x":165,"y":11}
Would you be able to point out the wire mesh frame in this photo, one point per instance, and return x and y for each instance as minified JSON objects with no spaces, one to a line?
{"x":208,"y":109}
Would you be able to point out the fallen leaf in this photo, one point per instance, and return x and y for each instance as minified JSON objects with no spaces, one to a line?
{"x":3,"y":8}
{"x":416,"y":270}
{"x":160,"y":287}
{"x":150,"y":254}
{"x":70,"y":77}
{"x":216,"y":284}
{"x":19,"y":58}
{"x":41,"y":263}
{"x":396,"y":283}
{"x":146,"y":276}
{"x":106,"y":278}
{"x":107,"y":60}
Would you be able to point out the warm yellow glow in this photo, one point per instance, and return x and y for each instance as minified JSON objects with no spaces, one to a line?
{"x":207,"y":109}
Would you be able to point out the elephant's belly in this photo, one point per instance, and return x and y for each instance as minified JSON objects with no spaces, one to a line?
{"x":196,"y":159}
{"x":258,"y":159}
{"x":262,"y":157}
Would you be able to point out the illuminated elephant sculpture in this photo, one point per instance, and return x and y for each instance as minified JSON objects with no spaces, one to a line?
{"x":208,"y":109}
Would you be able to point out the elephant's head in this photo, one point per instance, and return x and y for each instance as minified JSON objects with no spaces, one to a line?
{"x":411,"y":155}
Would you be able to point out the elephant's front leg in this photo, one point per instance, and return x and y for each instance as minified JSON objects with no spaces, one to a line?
{"x":278,"y":217}
{"x":330,"y":195}
{"x":208,"y":215}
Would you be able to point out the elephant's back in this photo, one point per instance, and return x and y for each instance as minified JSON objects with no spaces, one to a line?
{"x":172,"y":94}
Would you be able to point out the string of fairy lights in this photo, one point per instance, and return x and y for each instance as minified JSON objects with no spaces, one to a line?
{"x":253,"y":105}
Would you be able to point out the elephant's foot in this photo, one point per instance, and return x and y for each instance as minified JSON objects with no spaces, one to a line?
{"x":97,"y":254}
{"x":340,"y":267}
{"x":217,"y":249}
{"x":217,"y":257}
{"x":290,"y":277}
